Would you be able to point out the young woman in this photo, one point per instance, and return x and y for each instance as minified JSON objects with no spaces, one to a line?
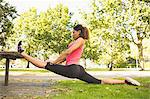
{"x":72,"y":56}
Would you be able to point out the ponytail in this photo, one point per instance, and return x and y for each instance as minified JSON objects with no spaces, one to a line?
{"x":84,"y":33}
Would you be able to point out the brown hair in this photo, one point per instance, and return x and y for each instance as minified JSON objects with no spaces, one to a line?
{"x":84,"y":33}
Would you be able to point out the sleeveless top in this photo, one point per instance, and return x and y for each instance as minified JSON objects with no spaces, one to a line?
{"x":74,"y":57}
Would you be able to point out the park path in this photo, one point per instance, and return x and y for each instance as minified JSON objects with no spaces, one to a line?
{"x":97,"y":74}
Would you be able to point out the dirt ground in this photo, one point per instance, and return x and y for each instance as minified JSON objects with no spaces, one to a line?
{"x":24,"y":88}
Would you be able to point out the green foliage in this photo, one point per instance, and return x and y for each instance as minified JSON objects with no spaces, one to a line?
{"x":114,"y":24}
{"x":107,"y":35}
{"x":56,"y":34}
{"x":136,"y":23}
{"x":7,"y":14}
{"x":45,"y":33}
{"x":130,"y":63}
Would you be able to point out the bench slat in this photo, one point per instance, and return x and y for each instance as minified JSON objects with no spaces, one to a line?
{"x":10,"y":54}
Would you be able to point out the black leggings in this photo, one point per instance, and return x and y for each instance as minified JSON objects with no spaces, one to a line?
{"x":72,"y":71}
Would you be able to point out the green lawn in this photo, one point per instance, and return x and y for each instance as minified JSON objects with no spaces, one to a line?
{"x":80,"y":90}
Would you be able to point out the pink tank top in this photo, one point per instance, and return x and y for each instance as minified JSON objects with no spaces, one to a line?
{"x":75,"y":56}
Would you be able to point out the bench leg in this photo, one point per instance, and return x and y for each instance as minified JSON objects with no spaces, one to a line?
{"x":7,"y":72}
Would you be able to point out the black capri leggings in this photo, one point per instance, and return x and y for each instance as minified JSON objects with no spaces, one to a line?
{"x":72,"y":71}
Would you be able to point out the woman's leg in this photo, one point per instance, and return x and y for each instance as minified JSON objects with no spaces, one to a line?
{"x":90,"y":79}
{"x":84,"y":76}
{"x":77,"y":71}
{"x":70,"y":71}
{"x":112,"y":81}
{"x":36,"y":62}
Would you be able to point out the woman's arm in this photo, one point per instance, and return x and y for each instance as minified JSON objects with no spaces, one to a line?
{"x":48,"y":60}
{"x":61,"y":58}
{"x":79,"y":42}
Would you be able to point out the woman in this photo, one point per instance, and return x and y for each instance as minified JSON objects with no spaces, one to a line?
{"x":72,"y":56}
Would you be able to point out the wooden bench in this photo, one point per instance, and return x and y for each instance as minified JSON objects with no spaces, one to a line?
{"x":9,"y":55}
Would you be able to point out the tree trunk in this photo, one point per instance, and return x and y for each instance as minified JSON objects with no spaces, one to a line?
{"x":140,"y":55}
{"x":111,"y":66}
{"x":108,"y":65}
{"x":28,"y":64}
{"x":140,"y":51}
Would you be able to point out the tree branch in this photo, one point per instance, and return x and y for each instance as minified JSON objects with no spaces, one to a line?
{"x":132,"y":39}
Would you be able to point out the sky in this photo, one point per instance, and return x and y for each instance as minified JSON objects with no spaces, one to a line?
{"x":43,"y":5}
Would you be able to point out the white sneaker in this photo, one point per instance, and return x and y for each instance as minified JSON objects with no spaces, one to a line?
{"x":131,"y":81}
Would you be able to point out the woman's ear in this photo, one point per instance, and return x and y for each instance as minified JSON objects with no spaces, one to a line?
{"x":79,"y":31}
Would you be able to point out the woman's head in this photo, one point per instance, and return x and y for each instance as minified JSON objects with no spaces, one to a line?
{"x":80,"y":31}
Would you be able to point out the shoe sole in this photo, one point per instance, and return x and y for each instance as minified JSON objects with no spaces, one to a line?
{"x":132,"y":81}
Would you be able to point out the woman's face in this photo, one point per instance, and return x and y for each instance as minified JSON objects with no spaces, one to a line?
{"x":75,"y":34}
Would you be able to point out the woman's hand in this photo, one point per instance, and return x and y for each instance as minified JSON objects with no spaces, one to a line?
{"x":48,"y":60}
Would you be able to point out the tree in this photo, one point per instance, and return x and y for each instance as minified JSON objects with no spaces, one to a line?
{"x":118,"y":23}
{"x":24,"y":31}
{"x":106,"y":29}
{"x":43,"y":34}
{"x":7,"y":14}
{"x":137,"y":26}
{"x":57,"y":28}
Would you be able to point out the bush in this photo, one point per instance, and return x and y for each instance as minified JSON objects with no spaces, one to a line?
{"x":130,"y":63}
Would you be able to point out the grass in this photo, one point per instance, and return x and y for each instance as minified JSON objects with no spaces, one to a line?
{"x":80,"y":90}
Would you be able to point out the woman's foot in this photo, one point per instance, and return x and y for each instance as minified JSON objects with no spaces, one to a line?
{"x":19,"y":48}
{"x":131,"y":81}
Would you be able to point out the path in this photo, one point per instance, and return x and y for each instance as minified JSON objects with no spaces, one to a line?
{"x":97,"y":74}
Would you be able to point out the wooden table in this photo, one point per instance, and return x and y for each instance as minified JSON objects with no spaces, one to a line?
{"x":9,"y":55}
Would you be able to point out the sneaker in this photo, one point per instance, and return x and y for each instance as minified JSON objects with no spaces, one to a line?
{"x":131,"y":81}
{"x":20,"y":50}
